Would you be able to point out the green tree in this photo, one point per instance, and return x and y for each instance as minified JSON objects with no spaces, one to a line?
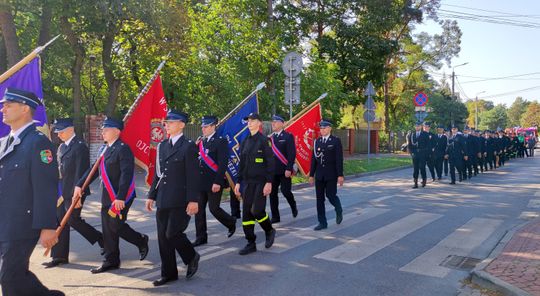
{"x":447,"y":111}
{"x":531,"y":116}
{"x":494,"y":118}
{"x":516,"y":110}
{"x":482,"y":106}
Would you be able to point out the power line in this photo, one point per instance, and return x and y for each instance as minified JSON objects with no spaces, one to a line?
{"x":494,"y":11}
{"x":512,"y":92}
{"x":504,"y":77}
{"x":488,"y":19}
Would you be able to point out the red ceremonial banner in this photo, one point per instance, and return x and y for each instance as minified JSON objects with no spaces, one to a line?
{"x":144,"y":130}
{"x":305,"y":130}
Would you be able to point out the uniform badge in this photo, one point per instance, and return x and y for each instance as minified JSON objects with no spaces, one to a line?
{"x":46,"y":156}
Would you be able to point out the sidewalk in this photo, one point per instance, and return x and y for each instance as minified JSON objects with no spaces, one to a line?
{"x":514,"y":267}
{"x":374,"y":155}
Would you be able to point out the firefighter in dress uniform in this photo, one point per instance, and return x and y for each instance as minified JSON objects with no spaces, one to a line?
{"x":284,"y":156}
{"x":175,"y":190}
{"x":73,"y":161}
{"x":116,"y":169}
{"x":213,"y":159}
{"x":28,"y":193}
{"x":326,"y":172}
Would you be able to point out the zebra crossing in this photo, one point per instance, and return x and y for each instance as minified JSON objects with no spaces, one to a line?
{"x":351,"y":250}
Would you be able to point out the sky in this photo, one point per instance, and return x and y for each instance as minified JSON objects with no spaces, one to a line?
{"x":494,"y":50}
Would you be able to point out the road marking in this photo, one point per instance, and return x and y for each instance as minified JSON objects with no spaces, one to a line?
{"x":534,"y":203}
{"x":357,"y":249}
{"x":461,"y":242}
{"x":296,"y":238}
{"x":529,"y":215}
{"x":156,"y":272}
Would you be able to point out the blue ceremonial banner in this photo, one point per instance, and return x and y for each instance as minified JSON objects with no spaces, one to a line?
{"x":27,"y":78}
{"x":234,"y":129}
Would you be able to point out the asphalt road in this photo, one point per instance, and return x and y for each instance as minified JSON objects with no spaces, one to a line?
{"x":394,"y":240}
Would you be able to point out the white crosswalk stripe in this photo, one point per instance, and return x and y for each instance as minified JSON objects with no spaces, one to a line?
{"x":362,"y":247}
{"x":302,"y":236}
{"x":461,"y":242}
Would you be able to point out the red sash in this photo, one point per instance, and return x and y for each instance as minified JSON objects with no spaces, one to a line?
{"x":206,"y":158}
{"x":278,"y":153}
{"x":113,"y":212}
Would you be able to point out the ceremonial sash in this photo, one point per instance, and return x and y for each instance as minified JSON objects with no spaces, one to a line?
{"x":113,"y":212}
{"x":206,"y":158}
{"x":278,"y":153}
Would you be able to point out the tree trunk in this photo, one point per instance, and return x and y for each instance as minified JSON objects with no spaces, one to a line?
{"x":76,"y":68}
{"x":11,"y":41}
{"x":3,"y":57}
{"x":45,"y":29}
{"x":112,"y":82}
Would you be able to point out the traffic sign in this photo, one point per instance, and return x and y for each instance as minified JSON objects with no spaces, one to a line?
{"x":292,"y":64}
{"x":420,"y":99}
{"x":420,"y":108}
{"x":370,"y":104}
{"x":369,"y":115}
{"x":292,"y":90}
{"x":370,"y":90}
{"x":420,"y":116}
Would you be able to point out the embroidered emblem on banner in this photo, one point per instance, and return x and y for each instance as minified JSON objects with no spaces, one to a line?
{"x":46,"y":156}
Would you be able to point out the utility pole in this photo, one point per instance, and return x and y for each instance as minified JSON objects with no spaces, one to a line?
{"x":454,"y":77}
{"x":476,"y":110}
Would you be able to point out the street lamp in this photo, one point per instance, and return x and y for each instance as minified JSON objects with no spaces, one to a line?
{"x":454,"y":75}
{"x":476,"y":110}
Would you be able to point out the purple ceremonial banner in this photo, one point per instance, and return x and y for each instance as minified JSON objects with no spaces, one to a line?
{"x":27,"y":78}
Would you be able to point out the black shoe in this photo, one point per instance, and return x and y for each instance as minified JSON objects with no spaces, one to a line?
{"x":232,"y":230}
{"x":143,"y":250}
{"x":56,"y":293}
{"x":193,"y":266}
{"x":106,"y":266}
{"x":434,"y":180}
{"x":294,"y":211}
{"x":200,"y":242}
{"x":424,"y":183}
{"x":439,"y":178}
{"x":320,"y":227}
{"x":101,"y":246}
{"x":339,"y":217}
{"x":453,"y":183}
{"x":275,"y":220}
{"x":270,"y":236}
{"x":55,"y":262}
{"x":415,"y":186}
{"x":163,"y":280}
{"x":248,"y":249}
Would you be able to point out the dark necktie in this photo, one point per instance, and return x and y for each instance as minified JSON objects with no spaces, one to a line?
{"x":9,"y":141}
{"x":170,"y":143}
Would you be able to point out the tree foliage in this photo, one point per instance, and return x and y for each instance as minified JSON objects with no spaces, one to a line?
{"x":221,"y":49}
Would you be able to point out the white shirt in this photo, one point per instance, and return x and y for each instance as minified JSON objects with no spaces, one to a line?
{"x":175,"y":138}
{"x":324,"y":139}
{"x":109,"y":145}
{"x":209,"y":137}
{"x":69,"y":140}
{"x":15,"y":134}
{"x":278,"y":133}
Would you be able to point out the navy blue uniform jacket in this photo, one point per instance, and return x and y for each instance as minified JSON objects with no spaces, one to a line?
{"x":179,"y":183}
{"x":285,"y":144}
{"x":327,"y":159}
{"x":120,"y":166}
{"x":28,"y":186}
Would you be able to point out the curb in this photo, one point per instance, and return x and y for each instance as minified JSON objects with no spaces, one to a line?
{"x":305,"y":185}
{"x":486,"y":280}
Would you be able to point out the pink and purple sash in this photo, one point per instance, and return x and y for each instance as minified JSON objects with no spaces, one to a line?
{"x":278,"y":153}
{"x":113,"y":212}
{"x":206,"y":158}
